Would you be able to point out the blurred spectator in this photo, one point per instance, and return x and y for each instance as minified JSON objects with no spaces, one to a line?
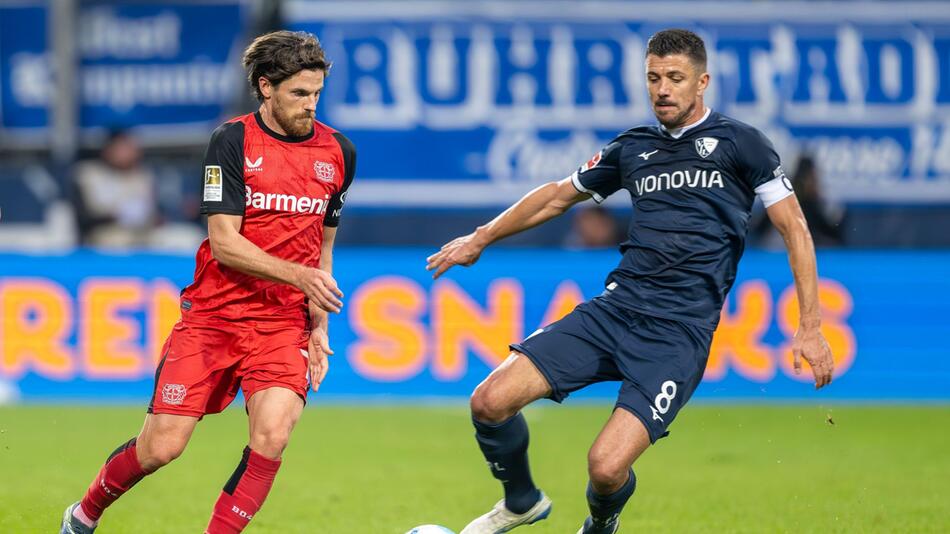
{"x":824,"y":221}
{"x":115,"y":196}
{"x":592,"y":227}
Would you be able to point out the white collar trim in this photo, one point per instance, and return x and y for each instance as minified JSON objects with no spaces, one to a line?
{"x":676,"y":133}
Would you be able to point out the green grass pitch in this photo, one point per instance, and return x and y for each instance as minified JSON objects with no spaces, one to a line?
{"x":375,"y":470}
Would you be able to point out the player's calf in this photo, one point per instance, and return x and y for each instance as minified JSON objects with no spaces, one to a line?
{"x":121,"y":471}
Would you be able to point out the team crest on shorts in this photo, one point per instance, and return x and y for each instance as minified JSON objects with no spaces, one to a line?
{"x":325,"y":171}
{"x":173,"y":394}
{"x":706,"y":145}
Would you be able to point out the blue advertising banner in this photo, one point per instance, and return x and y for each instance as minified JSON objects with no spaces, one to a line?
{"x":25,"y":82}
{"x":485,"y":99}
{"x":90,"y":327}
{"x":149,"y":64}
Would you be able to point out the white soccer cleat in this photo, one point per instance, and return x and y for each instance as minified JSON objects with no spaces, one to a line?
{"x":501,"y":519}
{"x":71,"y":525}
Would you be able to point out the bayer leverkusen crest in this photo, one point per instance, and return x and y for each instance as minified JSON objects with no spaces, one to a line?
{"x":706,"y":145}
{"x":325,"y":171}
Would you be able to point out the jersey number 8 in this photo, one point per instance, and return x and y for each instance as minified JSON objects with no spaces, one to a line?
{"x":664,"y":399}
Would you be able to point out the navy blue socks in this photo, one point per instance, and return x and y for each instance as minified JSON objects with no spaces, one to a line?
{"x":604,"y":509}
{"x":505,"y":446}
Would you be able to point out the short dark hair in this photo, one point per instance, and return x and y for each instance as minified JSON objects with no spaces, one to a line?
{"x":281,"y":54}
{"x":678,"y":41}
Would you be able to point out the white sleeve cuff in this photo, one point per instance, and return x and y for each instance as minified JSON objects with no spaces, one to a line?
{"x":774,"y":190}
{"x":575,"y":179}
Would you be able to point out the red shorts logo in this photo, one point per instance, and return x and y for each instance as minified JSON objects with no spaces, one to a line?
{"x":173,"y":394}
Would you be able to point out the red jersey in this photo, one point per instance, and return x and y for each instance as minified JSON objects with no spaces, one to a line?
{"x":287,"y":189}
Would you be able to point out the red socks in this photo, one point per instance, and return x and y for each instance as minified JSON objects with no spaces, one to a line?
{"x":244,"y":493}
{"x":241,"y":498}
{"x":117,"y":476}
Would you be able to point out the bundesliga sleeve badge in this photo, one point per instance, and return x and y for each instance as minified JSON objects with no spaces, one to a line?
{"x":213,"y":187}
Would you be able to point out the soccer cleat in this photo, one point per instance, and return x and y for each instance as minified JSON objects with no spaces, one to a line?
{"x":71,"y":525}
{"x":501,"y":519}
{"x":610,"y":527}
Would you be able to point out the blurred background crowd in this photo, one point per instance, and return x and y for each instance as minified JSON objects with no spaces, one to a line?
{"x":107,"y":106}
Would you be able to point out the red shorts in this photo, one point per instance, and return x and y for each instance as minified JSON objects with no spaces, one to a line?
{"x":204,"y":364}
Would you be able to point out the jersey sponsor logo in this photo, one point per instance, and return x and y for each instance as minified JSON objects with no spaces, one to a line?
{"x":253,"y":166}
{"x":213,"y":187}
{"x":780,"y":173}
{"x":325,"y":171}
{"x":706,"y":145}
{"x":646,"y":155}
{"x":592,"y":162}
{"x":281,"y":202}
{"x":174,"y":394}
{"x":697,"y":178}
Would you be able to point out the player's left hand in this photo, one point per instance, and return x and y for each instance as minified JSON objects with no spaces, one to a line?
{"x":318,"y":348}
{"x":463,"y":251}
{"x":810,"y":344}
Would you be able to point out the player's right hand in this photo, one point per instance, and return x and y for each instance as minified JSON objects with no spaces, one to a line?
{"x":809,"y":344}
{"x":320,"y":288}
{"x":460,"y":251}
{"x":318,"y":348}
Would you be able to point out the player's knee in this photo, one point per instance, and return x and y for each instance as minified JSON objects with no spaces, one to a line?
{"x":488,"y":406}
{"x":270,"y":442}
{"x":161,"y":453}
{"x":607,"y":473}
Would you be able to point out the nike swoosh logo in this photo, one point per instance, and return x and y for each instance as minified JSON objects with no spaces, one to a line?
{"x":646,"y":155}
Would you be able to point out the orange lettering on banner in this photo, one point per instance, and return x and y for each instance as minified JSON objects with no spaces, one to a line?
{"x":385,"y":313}
{"x":737,"y":341}
{"x":163,"y":312}
{"x":459,"y":324}
{"x":36,"y":320}
{"x":566,"y":297}
{"x":836,"y":305}
{"x":110,"y":343}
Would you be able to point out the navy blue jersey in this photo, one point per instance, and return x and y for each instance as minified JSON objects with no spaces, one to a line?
{"x":692,"y":197}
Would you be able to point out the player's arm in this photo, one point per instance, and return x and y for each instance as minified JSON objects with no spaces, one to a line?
{"x":597,"y":178}
{"x":318,"y":347}
{"x":809,"y":343}
{"x":540,"y":205}
{"x":234,"y":250}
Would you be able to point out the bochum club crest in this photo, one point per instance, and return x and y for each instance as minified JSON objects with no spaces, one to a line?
{"x":706,"y":145}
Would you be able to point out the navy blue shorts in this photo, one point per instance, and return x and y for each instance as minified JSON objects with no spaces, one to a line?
{"x":659,"y":361}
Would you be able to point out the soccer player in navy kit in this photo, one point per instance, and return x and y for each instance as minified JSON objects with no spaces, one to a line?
{"x":692,"y":180}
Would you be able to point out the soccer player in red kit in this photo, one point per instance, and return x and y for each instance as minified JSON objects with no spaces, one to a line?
{"x":255,"y":317}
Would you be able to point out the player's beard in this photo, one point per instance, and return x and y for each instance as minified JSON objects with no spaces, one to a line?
{"x":680,"y":119}
{"x":293,"y":125}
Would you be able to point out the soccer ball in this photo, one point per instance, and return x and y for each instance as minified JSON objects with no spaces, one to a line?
{"x":429,"y":529}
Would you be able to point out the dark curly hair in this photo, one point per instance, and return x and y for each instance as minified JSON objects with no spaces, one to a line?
{"x":678,"y":41}
{"x":281,"y":54}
